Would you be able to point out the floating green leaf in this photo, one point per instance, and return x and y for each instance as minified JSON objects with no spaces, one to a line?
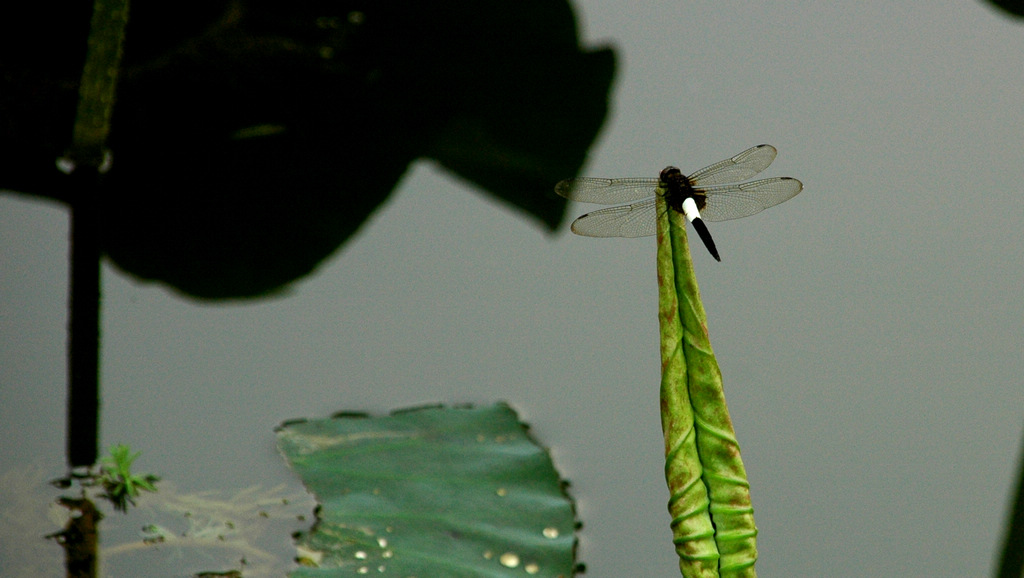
{"x":431,"y":492}
{"x":712,"y":517}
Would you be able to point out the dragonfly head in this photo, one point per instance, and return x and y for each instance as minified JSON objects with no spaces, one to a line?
{"x":668,"y":174}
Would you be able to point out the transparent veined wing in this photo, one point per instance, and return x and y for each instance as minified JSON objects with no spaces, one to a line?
{"x":725,"y":202}
{"x":718,"y":185}
{"x":635,"y":220}
{"x":738,"y":168}
{"x":606,"y":191}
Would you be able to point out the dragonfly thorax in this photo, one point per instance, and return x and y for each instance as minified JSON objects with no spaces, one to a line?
{"x":678,"y":188}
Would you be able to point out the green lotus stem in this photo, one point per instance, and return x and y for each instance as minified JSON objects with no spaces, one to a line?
{"x":712,"y":517}
{"x":99,"y":80}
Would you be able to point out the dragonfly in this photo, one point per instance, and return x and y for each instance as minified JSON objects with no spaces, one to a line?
{"x":714,"y":193}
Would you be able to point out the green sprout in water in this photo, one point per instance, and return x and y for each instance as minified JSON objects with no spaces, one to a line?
{"x":120,"y":484}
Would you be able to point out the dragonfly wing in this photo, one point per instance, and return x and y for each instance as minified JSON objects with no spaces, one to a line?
{"x":739,"y":168}
{"x":725,"y":202}
{"x":606,"y":191}
{"x":636,"y":220}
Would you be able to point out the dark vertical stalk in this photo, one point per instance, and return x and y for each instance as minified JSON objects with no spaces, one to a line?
{"x":84,"y":322}
{"x":80,"y":538}
{"x":87,"y":157}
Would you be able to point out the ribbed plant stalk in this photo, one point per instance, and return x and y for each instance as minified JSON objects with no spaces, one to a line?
{"x":712,"y":516}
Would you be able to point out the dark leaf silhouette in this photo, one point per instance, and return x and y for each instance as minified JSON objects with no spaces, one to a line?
{"x":252,"y":139}
{"x":1013,"y":7}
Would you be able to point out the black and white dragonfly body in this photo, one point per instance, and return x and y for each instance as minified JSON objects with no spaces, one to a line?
{"x":713,"y":193}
